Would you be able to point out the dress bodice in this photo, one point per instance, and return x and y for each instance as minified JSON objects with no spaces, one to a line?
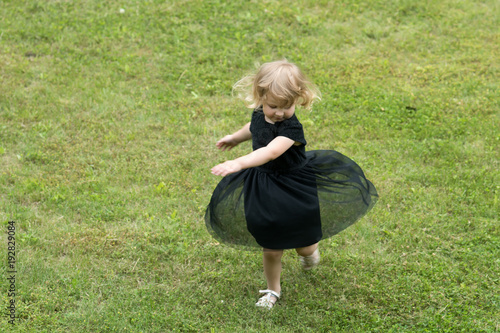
{"x":263,"y":133}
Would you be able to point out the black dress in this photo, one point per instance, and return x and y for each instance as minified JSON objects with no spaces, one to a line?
{"x":293,"y":201}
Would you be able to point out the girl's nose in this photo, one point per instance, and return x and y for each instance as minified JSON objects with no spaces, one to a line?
{"x":279,"y":113}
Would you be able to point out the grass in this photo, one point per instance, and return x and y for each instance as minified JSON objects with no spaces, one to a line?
{"x":107,"y":132}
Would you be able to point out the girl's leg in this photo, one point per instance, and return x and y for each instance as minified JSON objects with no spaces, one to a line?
{"x":307,"y":251}
{"x":272,"y":268}
{"x":309,"y":256}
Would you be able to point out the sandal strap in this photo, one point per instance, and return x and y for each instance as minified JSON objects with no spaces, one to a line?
{"x":269,"y":291}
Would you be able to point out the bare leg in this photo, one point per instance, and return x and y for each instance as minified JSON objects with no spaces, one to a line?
{"x":272,"y":268}
{"x":307,"y":251}
{"x":308,"y":256}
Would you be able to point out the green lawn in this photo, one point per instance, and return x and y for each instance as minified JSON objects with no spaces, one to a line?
{"x":108,"y":124}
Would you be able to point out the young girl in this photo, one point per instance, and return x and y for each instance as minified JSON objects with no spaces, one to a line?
{"x":280,"y":196}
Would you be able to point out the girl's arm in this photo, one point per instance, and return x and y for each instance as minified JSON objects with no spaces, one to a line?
{"x":229,"y":141}
{"x":258,"y":157}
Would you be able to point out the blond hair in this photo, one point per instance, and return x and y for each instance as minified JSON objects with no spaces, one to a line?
{"x":280,"y":81}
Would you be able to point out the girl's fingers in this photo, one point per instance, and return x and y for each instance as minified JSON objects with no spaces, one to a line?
{"x":221,"y":170}
{"x":217,"y":171}
{"x":224,"y":146}
{"x":226,"y":143}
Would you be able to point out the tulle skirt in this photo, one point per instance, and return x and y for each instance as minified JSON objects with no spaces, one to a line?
{"x":284,"y":209}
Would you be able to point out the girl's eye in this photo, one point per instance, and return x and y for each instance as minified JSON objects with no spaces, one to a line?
{"x":273,"y":106}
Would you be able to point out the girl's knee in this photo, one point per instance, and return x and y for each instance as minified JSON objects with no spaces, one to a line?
{"x":273,"y":254}
{"x":307,"y":250}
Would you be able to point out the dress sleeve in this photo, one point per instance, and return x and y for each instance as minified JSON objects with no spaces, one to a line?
{"x":254,"y":122}
{"x":292,"y":129}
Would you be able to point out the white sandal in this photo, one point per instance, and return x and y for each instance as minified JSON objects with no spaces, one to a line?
{"x":267,"y":300}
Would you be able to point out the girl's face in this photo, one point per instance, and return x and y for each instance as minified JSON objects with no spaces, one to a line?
{"x":275,"y":114}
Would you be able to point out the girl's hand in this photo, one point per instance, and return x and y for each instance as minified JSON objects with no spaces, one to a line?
{"x":226,"y":168}
{"x":227,"y":143}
